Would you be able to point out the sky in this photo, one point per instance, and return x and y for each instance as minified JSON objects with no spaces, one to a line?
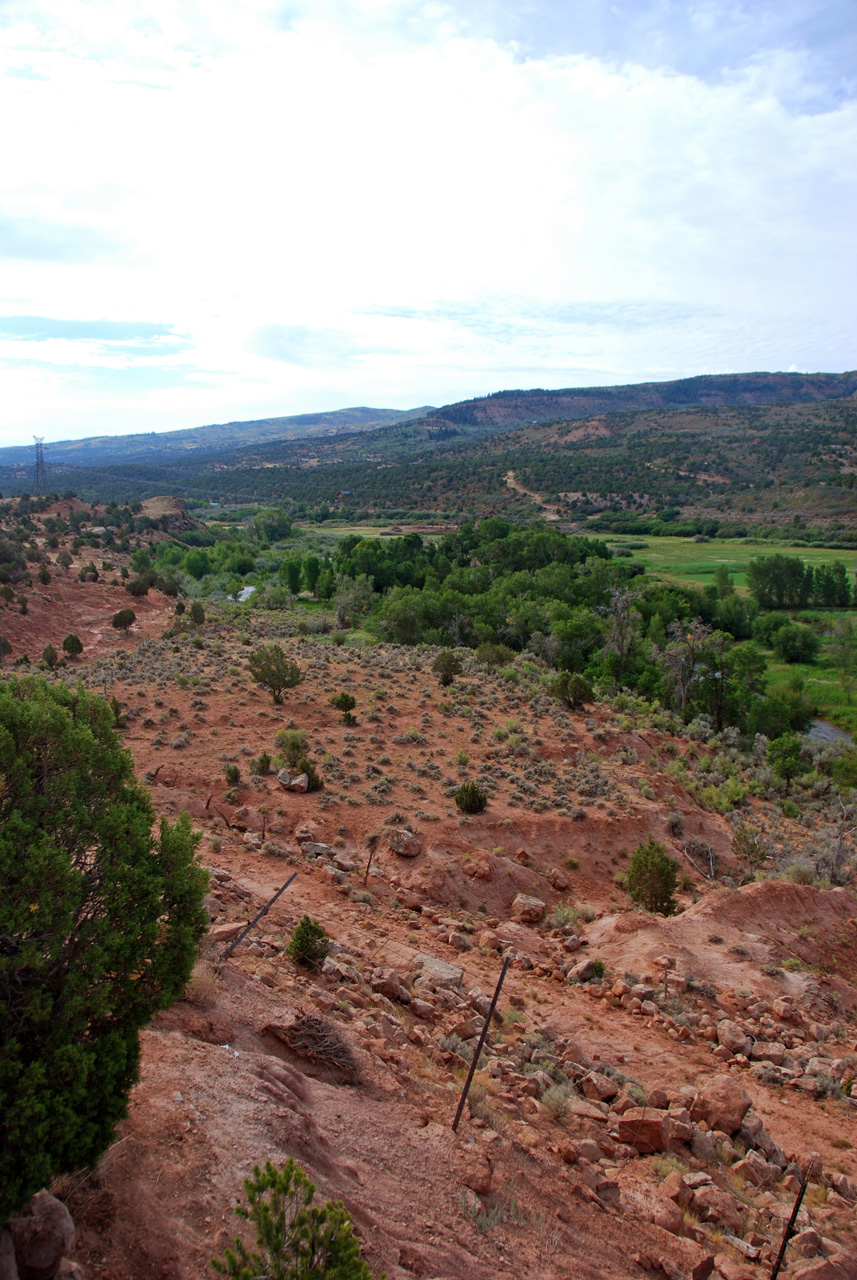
{"x":214,"y":210}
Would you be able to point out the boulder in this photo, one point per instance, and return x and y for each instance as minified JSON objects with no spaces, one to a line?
{"x":42,"y":1232}
{"x":226,"y":932}
{"x":340,"y":970}
{"x":293,"y":781}
{"x":768,"y":1051}
{"x":582,"y":971}
{"x":8,"y":1265}
{"x":733,"y":1037}
{"x":527,"y":910}
{"x":404,"y":843}
{"x":390,"y":985}
{"x":722,"y":1104}
{"x":477,"y":1175}
{"x":718,"y":1206}
{"x":598,"y":1087}
{"x":489,"y":939}
{"x":675,"y":1188}
{"x":315,"y":849}
{"x":840,"y":1267}
{"x":433,"y":973}
{"x":644,"y":1128}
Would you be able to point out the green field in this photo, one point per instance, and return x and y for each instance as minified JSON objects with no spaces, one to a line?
{"x":693,"y":563}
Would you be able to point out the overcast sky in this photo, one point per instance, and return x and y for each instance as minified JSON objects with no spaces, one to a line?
{"x":221,"y":209}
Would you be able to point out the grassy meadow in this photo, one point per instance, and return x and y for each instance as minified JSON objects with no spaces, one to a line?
{"x":694,"y":563}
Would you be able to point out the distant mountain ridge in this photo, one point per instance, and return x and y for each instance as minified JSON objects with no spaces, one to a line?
{"x":151,"y":446}
{"x":512,"y":408}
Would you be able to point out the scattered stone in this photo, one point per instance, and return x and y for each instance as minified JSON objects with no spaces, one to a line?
{"x":645,"y":1129}
{"x":722,"y":1104}
{"x":733,"y":1037}
{"x":340,"y":970}
{"x":42,"y":1232}
{"x":768,"y":1051}
{"x":293,"y":781}
{"x":404,"y":843}
{"x":434,"y":973}
{"x":391,"y":986}
{"x":478,"y":1174}
{"x":675,"y":1188}
{"x":8,"y":1265}
{"x":226,"y":932}
{"x":582,"y":971}
{"x":527,"y":910}
{"x":598,"y":1087}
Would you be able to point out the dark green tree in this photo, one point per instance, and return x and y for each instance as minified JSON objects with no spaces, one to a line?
{"x":783,"y":755}
{"x":99,"y":923}
{"x":652,"y":877}
{"x":197,"y":614}
{"x":50,"y":657}
{"x":297,"y":1241}
{"x":72,"y":645}
{"x":308,"y":945}
{"x":345,"y":702}
{"x":573,"y":689}
{"x":446,"y":666}
{"x":124,"y":619}
{"x":272,"y":668}
{"x":469,"y":798}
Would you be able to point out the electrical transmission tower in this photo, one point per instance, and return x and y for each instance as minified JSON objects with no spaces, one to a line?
{"x":40,"y":470}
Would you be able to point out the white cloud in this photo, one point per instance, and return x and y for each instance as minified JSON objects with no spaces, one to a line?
{"x":388,"y":203}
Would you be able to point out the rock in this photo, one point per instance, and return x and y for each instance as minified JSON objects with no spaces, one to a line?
{"x":752,"y":1173}
{"x":293,"y":782}
{"x":582,"y":971}
{"x":314,"y":849}
{"x":422,"y":1009}
{"x":703,"y":1146}
{"x":526,"y":910}
{"x":571,"y":942}
{"x":768,"y":1051}
{"x":8,"y":1265}
{"x":703,"y":1269}
{"x":69,"y":1270}
{"x":404,"y":843}
{"x":467,"y":1028}
{"x":669,"y":1217}
{"x":569,"y":1152}
{"x":226,"y":932}
{"x":41,"y":1233}
{"x":675,"y":1188}
{"x":657,"y":1098}
{"x":340,"y":970}
{"x":558,"y":880}
{"x":733,"y":1037}
{"x":490,"y":939}
{"x":343,"y":863}
{"x":600,"y":1088}
{"x":304,"y":832}
{"x":477,"y":1176}
{"x":645,"y":1129}
{"x":589,"y":1149}
{"x":718,"y":1206}
{"x":841,"y":1267}
{"x":722,"y":1104}
{"x":729,"y":1269}
{"x":434,"y":973}
{"x":806,"y":1243}
{"x":391,"y":986}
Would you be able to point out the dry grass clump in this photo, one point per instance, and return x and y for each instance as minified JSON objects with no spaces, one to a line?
{"x":202,"y":987}
{"x":320,"y":1041}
